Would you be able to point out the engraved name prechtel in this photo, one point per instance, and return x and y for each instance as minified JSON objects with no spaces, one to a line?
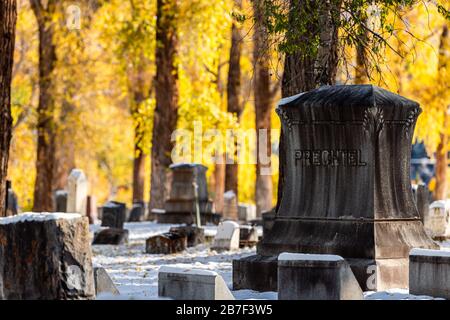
{"x":329,"y":158}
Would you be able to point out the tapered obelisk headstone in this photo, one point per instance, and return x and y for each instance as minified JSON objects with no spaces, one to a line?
{"x":77,"y":188}
{"x":345,"y":187}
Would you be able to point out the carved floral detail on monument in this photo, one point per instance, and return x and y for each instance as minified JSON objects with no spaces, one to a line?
{"x":411,"y":120}
{"x":283,"y":114}
{"x":373,"y":120}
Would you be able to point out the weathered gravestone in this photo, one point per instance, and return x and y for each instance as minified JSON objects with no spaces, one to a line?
{"x":316,"y":277}
{"x":422,"y":197}
{"x":61,"y":201}
{"x":194,"y":234}
{"x":437,"y":220}
{"x":230,"y":206}
{"x":429,"y":273}
{"x":91,"y":209}
{"x":77,"y":189}
{"x":103,"y":282}
{"x":344,"y":187}
{"x":137,"y":212}
{"x":181,"y":205}
{"x":166,"y":243}
{"x":12,"y":205}
{"x":248,"y":236}
{"x":191,"y":284}
{"x":227,"y":236}
{"x":114,"y":214}
{"x":112,"y":236}
{"x":246,"y":212}
{"x":45,"y":256}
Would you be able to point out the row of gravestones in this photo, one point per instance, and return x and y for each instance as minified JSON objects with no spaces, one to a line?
{"x":230,"y":236}
{"x":310,"y":277}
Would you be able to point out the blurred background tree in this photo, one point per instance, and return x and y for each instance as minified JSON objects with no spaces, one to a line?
{"x":85,"y":93}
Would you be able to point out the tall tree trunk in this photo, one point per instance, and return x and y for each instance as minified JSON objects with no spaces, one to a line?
{"x":64,"y":146}
{"x":45,"y":161}
{"x":440,"y":191}
{"x":263,"y":105}
{"x":234,"y":104}
{"x":219,"y":186}
{"x":166,"y":89}
{"x":304,"y":70}
{"x":138,"y":173}
{"x":138,"y":96}
{"x":362,"y":61}
{"x":8,"y":17}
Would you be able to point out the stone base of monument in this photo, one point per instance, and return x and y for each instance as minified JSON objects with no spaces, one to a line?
{"x":316,"y":277}
{"x":111,"y":236}
{"x":182,"y":284}
{"x":379,"y":262}
{"x":195,"y":235}
{"x":103,"y":282}
{"x":429,"y":273}
{"x":260,"y":273}
{"x":186,"y":217}
{"x":45,"y":256}
{"x":166,"y":243}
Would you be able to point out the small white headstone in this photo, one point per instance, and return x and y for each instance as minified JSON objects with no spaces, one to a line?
{"x":77,"y":188}
{"x":247,"y":212}
{"x":437,"y":220}
{"x":227,"y":236}
{"x":192,"y":284}
{"x":230,"y":205}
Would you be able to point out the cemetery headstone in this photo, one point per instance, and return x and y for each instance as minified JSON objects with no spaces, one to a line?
{"x":166,"y":243}
{"x":316,"y":277}
{"x":192,"y":284}
{"x":112,"y":236}
{"x":181,"y":205}
{"x":437,"y":220}
{"x":137,"y":212}
{"x":61,"y":201}
{"x":91,"y":209}
{"x":45,"y":256}
{"x":195,"y":235}
{"x":230,"y":206}
{"x":114,"y":214}
{"x":344,"y":186}
{"x":429,"y":273}
{"x":227,"y":237}
{"x":248,"y":236}
{"x":12,"y":205}
{"x":77,"y":189}
{"x":246,"y":212}
{"x":422,"y":195}
{"x":103,"y":282}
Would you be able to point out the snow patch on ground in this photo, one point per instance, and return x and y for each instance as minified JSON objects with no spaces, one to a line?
{"x":429,"y":252}
{"x":395,"y":294}
{"x":286,"y":256}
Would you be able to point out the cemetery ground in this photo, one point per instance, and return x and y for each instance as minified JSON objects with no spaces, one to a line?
{"x":135,"y":273}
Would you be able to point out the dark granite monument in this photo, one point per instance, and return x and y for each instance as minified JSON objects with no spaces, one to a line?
{"x":181,"y":205}
{"x":344,"y":187}
{"x":114,"y":214}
